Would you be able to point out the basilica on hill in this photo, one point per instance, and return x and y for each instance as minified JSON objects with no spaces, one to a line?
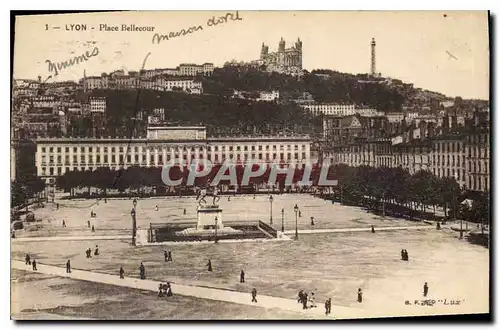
{"x":285,"y":60}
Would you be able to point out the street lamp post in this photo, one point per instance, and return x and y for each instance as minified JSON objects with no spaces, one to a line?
{"x":271,"y":212}
{"x":216,"y":229}
{"x":296,"y":209}
{"x":134,"y":221}
{"x":282,"y":220}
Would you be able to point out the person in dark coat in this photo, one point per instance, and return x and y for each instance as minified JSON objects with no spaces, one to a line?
{"x":64,"y":223}
{"x":165,"y":255}
{"x":184,"y":211}
{"x":169,"y":256}
{"x":27,"y":259}
{"x":242,"y":276}
{"x":209,"y":265}
{"x":93,"y":229}
{"x":403,"y":255}
{"x":360,"y":296}
{"x":88,"y":252}
{"x":254,"y":295}
{"x":329,"y":305}
{"x":34,"y":264}
{"x":88,"y":223}
{"x":304,"y":300}
{"x":373,"y":229}
{"x":438,"y":226}
{"x":96,"y":252}
{"x":57,"y":206}
{"x":406,"y":256}
{"x":169,"y":290}
{"x":68,"y":267}
{"x":312,"y":221}
{"x":301,"y":296}
{"x":142,"y":271}
{"x":326,"y":307}
{"x":122,"y":272}
{"x":426,"y":289}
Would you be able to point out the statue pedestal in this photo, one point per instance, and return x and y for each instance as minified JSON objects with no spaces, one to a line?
{"x":207,"y":215}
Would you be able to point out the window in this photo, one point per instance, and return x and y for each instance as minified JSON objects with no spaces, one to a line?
{"x":66,"y":159}
{"x":90,"y":149}
{"x":51,"y":171}
{"x":245,"y":148}
{"x":113,"y":149}
{"x":113,"y":159}
{"x":82,"y":149}
{"x":51,"y":149}
{"x":105,"y":149}
{"x":105,"y":158}
{"x":66,"y":150}
{"x":98,"y":149}
{"x":43,"y":149}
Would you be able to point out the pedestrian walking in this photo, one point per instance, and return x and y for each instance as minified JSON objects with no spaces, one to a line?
{"x":426,"y":289}
{"x":304,"y":300}
{"x":64,"y":223}
{"x":169,"y":290}
{"x":96,"y":252}
{"x":373,"y":229}
{"x":403,"y":255}
{"x":312,"y":221}
{"x":93,"y":229}
{"x":165,"y":255}
{"x":142,"y":271}
{"x":301,"y":296}
{"x":68,"y":267}
{"x":406,"y":256}
{"x":156,"y":208}
{"x":209,"y":265}
{"x":329,"y":305}
{"x":57,"y":206}
{"x":242,"y":276}
{"x":184,"y":211}
{"x":34,"y":264}
{"x":88,"y":223}
{"x":326,"y":307}
{"x":170,"y":256}
{"x":27,"y":259}
{"x":122,"y":272}
{"x":360,"y":296}
{"x":254,"y":295}
{"x":312,"y":300}
{"x":438,"y":226}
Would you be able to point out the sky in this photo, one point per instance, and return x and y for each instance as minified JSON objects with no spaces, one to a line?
{"x":447,"y":52}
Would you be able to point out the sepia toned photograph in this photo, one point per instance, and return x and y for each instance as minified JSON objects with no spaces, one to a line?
{"x":250,"y":165}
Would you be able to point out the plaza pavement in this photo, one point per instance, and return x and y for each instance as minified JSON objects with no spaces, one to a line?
{"x":286,"y":238}
{"x":264,"y":301}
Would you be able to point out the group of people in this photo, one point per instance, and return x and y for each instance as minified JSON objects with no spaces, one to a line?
{"x":307,"y":301}
{"x":29,"y":262}
{"x":404,"y":255}
{"x":168,"y":255}
{"x":88,"y":252}
{"x":165,"y":290}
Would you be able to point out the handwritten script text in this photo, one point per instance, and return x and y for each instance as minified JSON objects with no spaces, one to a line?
{"x":157,"y":38}
{"x":58,"y":66}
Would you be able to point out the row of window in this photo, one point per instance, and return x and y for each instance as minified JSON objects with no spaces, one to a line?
{"x":136,"y":149}
{"x":136,"y":159}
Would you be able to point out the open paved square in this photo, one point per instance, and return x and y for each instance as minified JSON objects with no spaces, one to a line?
{"x":331,"y":264}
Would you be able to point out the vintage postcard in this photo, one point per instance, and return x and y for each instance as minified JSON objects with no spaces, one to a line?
{"x":271,"y":165}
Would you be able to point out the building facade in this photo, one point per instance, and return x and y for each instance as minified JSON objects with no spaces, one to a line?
{"x":330,"y":109}
{"x":97,"y":104}
{"x":54,"y":157}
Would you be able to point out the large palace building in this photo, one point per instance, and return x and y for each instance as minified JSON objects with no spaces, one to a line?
{"x":56,"y":156}
{"x":285,"y":60}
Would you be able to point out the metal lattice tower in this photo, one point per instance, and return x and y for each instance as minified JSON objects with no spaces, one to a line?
{"x":373,"y":67}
